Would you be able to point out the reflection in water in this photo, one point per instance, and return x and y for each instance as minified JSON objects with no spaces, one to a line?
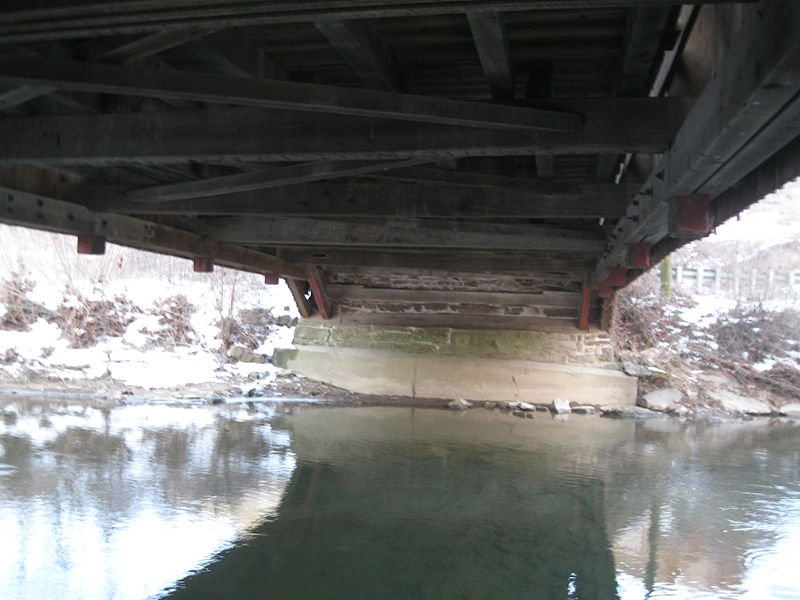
{"x":385,"y":502}
{"x":100,"y":503}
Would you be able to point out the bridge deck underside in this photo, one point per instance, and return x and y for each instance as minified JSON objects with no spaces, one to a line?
{"x":421,"y":162}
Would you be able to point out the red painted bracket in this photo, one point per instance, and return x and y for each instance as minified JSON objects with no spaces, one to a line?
{"x":318,"y":294}
{"x":91,"y":244}
{"x":605,"y":290}
{"x":271,"y":279}
{"x":617,"y":276}
{"x":203,"y":264}
{"x":690,"y":216}
{"x":640,"y":257}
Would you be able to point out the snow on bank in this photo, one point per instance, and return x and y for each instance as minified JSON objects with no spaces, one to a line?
{"x":131,"y":358}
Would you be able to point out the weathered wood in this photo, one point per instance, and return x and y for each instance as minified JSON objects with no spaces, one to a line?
{"x":138,"y":49}
{"x":298,"y":290}
{"x":63,"y":19}
{"x":491,"y":41}
{"x":647,"y":25}
{"x":375,"y":200}
{"x":319,"y":292}
{"x":22,"y":94}
{"x":566,"y":265}
{"x":741,"y":99}
{"x":359,"y":48}
{"x":260,"y":180}
{"x":549,"y":298}
{"x":544,"y":165}
{"x":221,"y":89}
{"x":255,"y":135}
{"x":744,"y":95}
{"x":464,"y":321}
{"x":40,"y":212}
{"x":298,"y":231}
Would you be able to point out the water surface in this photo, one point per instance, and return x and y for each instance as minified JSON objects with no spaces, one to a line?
{"x":309,"y":502}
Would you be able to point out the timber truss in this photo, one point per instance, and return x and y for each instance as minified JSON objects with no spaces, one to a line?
{"x":451,"y":162}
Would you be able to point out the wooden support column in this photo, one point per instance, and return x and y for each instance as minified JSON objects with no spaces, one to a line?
{"x":318,"y":292}
{"x":298,"y":289}
{"x":586,"y":302}
{"x":203,"y":264}
{"x":91,"y":244}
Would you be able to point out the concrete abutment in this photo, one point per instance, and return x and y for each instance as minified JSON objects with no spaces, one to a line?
{"x":477,"y":365}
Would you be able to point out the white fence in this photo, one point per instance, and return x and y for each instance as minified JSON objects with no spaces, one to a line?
{"x":739,"y":283}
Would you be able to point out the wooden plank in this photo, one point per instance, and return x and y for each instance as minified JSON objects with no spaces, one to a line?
{"x":232,"y":53}
{"x":359,"y":48}
{"x":255,"y":135}
{"x":647,"y":26}
{"x":357,"y":292}
{"x":40,"y":212}
{"x":586,"y":301}
{"x":298,"y":291}
{"x":297,"y":231}
{"x":544,"y":165}
{"x":221,"y":89}
{"x":63,"y":19}
{"x":376,"y":200}
{"x":22,"y":94}
{"x":566,"y":265}
{"x":464,"y":321}
{"x":742,"y":99}
{"x":260,"y":180}
{"x":479,"y":180}
{"x":149,"y":45}
{"x":489,"y":32}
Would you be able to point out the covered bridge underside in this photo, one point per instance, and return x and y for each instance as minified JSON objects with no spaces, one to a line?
{"x":410,"y":163}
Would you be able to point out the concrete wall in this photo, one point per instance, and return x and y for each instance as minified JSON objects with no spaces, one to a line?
{"x":477,"y":365}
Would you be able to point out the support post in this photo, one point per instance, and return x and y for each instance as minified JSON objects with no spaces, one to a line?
{"x":617,"y":276}
{"x":203,"y":264}
{"x":607,"y":313}
{"x":298,"y":289}
{"x":91,"y":244}
{"x":318,"y":292}
{"x":586,"y":302}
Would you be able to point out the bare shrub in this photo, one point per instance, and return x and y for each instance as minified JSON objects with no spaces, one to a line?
{"x":755,"y":333}
{"x":85,"y":322}
{"x":174,"y":317}
{"x":21,"y":312}
{"x":251,"y":328}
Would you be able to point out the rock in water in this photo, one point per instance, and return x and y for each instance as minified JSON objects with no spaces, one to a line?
{"x":662,"y":400}
{"x":791,"y":410}
{"x":561,"y":406}
{"x":525,"y":406}
{"x":626,"y":411}
{"x":735,"y":403}
{"x":459,"y":404}
{"x":585,"y":409}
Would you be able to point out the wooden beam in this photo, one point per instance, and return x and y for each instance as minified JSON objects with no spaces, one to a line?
{"x":140,"y":48}
{"x":647,"y":26}
{"x":319,"y":292}
{"x":260,"y":180}
{"x":22,"y":94}
{"x":544,"y":165}
{"x":359,"y":48}
{"x":254,"y":135}
{"x":489,"y":32}
{"x":221,"y":89}
{"x":356,"y":292}
{"x":64,"y":19}
{"x":297,"y":231}
{"x":40,"y":212}
{"x":481,"y":261}
{"x":298,"y":289}
{"x":378,"y":199}
{"x":733,"y":117}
